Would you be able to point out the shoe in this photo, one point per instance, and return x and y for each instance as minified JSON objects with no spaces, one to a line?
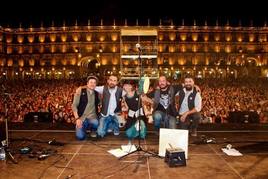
{"x":109,"y":130}
{"x":93,"y":134}
{"x":116,"y":133}
{"x":193,"y":132}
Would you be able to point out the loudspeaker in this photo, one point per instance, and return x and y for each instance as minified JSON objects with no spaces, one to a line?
{"x":253,"y":117}
{"x":244,"y":117}
{"x":175,"y":157}
{"x":36,"y":117}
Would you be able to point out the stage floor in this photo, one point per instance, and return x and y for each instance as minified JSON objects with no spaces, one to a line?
{"x":90,"y":159}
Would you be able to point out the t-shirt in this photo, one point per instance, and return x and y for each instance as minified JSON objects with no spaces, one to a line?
{"x":165,"y":98}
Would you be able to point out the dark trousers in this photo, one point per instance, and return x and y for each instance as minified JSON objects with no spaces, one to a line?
{"x":191,"y":121}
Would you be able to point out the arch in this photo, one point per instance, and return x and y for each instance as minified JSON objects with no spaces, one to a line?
{"x":85,"y":61}
{"x":210,"y":73}
{"x":188,"y":71}
{"x":232,"y":73}
{"x":251,"y":61}
{"x":89,"y":65}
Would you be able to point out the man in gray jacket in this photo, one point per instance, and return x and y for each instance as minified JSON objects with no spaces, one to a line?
{"x":85,"y":108}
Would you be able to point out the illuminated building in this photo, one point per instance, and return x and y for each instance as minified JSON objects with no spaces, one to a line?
{"x":72,"y":51}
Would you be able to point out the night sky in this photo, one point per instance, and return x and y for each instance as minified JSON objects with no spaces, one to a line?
{"x":16,"y":12}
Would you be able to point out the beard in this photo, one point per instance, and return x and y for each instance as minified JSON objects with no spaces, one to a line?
{"x":111,"y":85}
{"x":163,"y":87}
{"x":188,"y":88}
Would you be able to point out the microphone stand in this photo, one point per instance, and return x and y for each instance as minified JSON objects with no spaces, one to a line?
{"x":139,"y":148}
{"x":5,"y":143}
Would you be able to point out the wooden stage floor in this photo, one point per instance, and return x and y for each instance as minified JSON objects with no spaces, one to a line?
{"x":90,"y":159}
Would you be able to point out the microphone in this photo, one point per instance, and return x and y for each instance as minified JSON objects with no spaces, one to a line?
{"x":138,"y":46}
{"x":54,"y":142}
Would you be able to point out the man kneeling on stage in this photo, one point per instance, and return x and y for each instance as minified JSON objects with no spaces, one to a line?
{"x":190,"y":103}
{"x":85,"y":107}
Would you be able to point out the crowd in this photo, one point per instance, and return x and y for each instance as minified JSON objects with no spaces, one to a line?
{"x":53,"y":96}
{"x":220,"y":97}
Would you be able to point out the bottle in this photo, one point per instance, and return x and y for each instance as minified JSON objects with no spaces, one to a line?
{"x":2,"y":153}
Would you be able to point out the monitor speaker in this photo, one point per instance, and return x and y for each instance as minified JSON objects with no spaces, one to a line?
{"x":36,"y":117}
{"x":244,"y":117}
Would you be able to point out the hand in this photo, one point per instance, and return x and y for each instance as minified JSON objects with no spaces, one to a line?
{"x":150,"y":119}
{"x":183,"y":117}
{"x":79,"y":123}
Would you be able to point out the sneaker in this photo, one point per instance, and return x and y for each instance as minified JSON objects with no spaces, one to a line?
{"x":116,"y":133}
{"x":93,"y":134}
{"x":110,"y":130}
{"x":194,"y":132}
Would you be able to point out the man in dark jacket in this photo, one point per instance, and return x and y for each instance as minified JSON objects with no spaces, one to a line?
{"x":164,"y":104}
{"x":190,"y":104}
{"x":111,"y":106}
{"x":85,"y":108}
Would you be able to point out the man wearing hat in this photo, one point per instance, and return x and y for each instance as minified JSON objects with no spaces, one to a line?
{"x":85,"y":108}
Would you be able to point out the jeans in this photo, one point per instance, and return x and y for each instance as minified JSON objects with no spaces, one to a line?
{"x":91,"y":124}
{"x":109,"y":122}
{"x":166,"y":120}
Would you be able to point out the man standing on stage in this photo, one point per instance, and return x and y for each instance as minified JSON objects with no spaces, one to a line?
{"x":190,"y":104}
{"x":85,"y":109}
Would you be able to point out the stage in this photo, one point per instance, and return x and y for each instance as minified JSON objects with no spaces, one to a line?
{"x":90,"y":159}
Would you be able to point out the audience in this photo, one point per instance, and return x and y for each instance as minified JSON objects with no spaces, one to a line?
{"x":219,"y":98}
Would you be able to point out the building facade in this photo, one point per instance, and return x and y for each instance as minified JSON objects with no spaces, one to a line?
{"x":74,"y":51}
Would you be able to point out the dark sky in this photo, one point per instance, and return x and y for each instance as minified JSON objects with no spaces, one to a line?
{"x":16,"y":12}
